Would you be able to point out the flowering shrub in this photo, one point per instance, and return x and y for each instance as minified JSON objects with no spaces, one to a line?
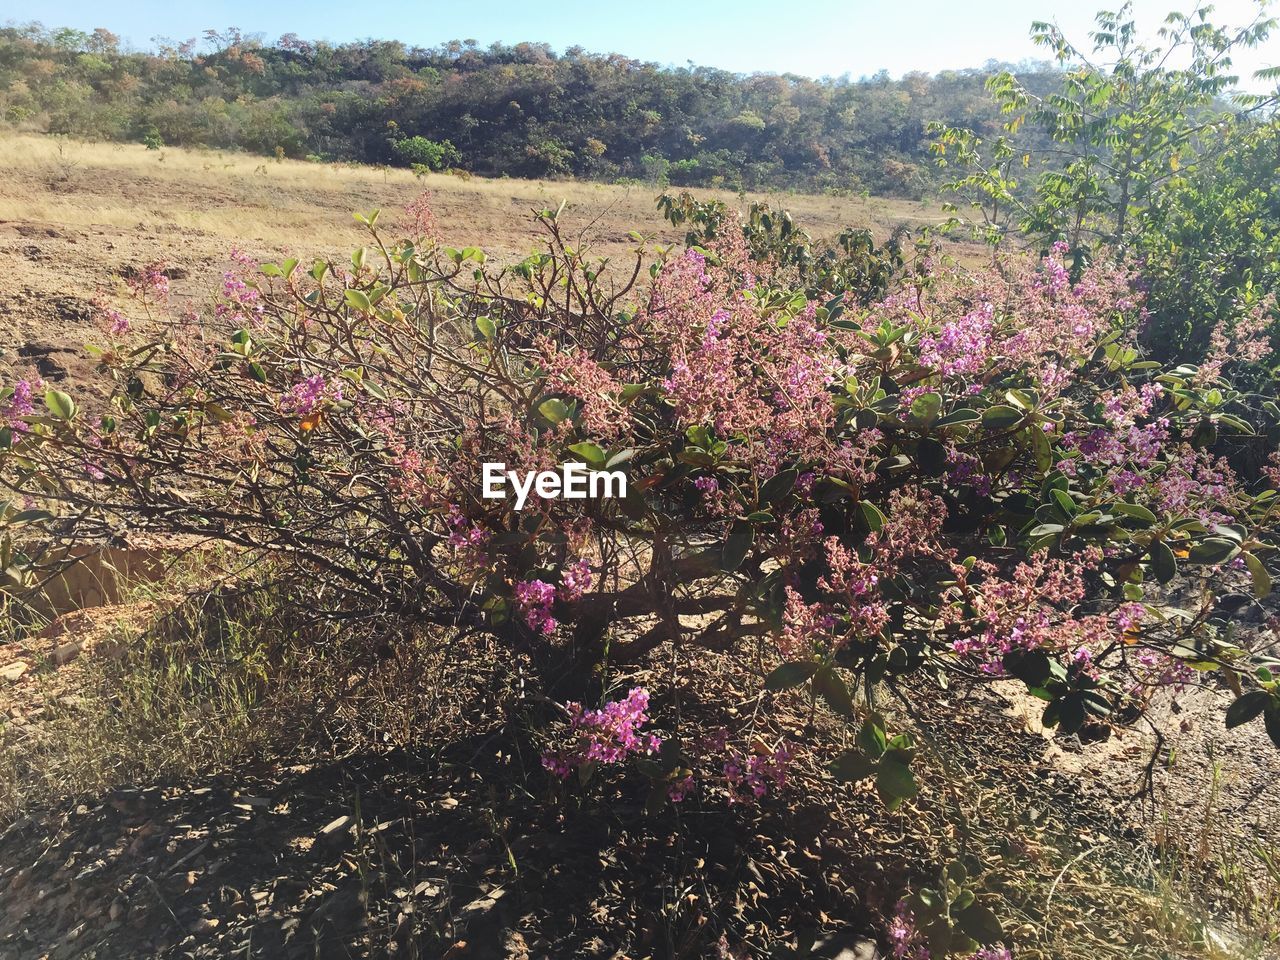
{"x":977,"y":475}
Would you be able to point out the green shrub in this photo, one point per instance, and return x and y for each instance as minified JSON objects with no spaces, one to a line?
{"x":421,"y":152}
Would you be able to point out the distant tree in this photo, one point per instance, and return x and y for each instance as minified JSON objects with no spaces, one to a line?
{"x":421,"y":152}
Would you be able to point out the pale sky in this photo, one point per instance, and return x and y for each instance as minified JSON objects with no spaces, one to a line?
{"x":813,"y":38}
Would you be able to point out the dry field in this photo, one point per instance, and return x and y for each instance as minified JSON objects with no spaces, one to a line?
{"x":73,"y":215}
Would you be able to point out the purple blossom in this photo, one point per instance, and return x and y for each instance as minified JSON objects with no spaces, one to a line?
{"x":605,"y":736}
{"x":303,"y":398}
{"x":21,"y":404}
{"x":534,"y":599}
{"x":575,"y":581}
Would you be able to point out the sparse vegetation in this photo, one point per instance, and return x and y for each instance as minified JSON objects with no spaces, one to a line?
{"x":520,"y":111}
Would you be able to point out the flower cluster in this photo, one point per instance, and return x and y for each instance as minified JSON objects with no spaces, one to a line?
{"x":20,"y":404}
{"x":979,"y":472}
{"x":241,"y":302}
{"x":534,"y":599}
{"x":573,"y":374}
{"x":309,"y":395}
{"x":112,"y":321}
{"x":468,"y":540}
{"x":420,"y":218}
{"x":606,"y":736}
{"x":906,"y":942}
{"x":961,"y":346}
{"x":149,"y":283}
{"x":574,"y":581}
{"x":755,"y":776}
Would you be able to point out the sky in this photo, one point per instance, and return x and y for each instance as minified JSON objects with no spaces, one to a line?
{"x":809,"y":37}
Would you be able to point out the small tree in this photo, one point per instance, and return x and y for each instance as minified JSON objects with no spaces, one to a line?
{"x":1128,"y":118}
{"x":430,"y":154}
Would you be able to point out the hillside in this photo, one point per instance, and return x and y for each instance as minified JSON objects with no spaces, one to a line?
{"x":521,"y":111}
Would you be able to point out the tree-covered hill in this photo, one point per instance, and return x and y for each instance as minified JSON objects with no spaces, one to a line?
{"x":523,"y":110}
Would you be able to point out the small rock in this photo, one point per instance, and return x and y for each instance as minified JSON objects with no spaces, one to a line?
{"x":335,"y":832}
{"x":64,"y":653}
{"x":13,"y":672}
{"x":481,"y":905}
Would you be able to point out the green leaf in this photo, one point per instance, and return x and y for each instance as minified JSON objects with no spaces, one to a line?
{"x":1213,"y":550}
{"x":832,"y":689}
{"x":59,"y":404}
{"x":1045,"y":530}
{"x":736,"y":546}
{"x":872,"y":738}
{"x":1163,"y":563}
{"x":1066,"y":713}
{"x":1001,"y":417}
{"x":852,"y":765}
{"x":790,"y":675}
{"x":1032,"y":667}
{"x":925,"y":408}
{"x":931,"y":456}
{"x":979,"y":923}
{"x":894,"y":781}
{"x":633,"y":504}
{"x":30,"y":516}
{"x":554,"y":410}
{"x":1135,"y":512}
{"x":963,"y":415}
{"x":486,"y":328}
{"x":358,"y":300}
{"x":1271,"y":719}
{"x":1261,"y":578}
{"x":591,"y":454}
{"x":871,"y":513}
{"x":1247,"y":707}
{"x":622,"y":456}
{"x":1065,"y":501}
{"x":778,"y":486}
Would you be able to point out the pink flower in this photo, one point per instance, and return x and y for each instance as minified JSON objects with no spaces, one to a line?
{"x":308,"y":395}
{"x":575,"y":581}
{"x":152,"y":280}
{"x":21,"y":404}
{"x":905,"y":941}
{"x":606,"y":736}
{"x":534,"y":599}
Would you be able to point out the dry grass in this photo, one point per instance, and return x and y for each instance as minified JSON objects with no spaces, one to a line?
{"x":240,"y":198}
